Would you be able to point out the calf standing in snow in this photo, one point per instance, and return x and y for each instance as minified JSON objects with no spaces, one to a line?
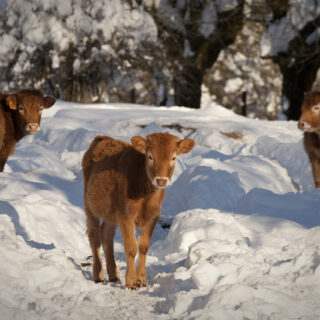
{"x":20,"y":115}
{"x":309,"y":122}
{"x":124,"y":185}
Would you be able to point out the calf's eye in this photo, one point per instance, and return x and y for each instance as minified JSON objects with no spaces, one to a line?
{"x":316,"y":108}
{"x":150,"y":157}
{"x":174,"y":158}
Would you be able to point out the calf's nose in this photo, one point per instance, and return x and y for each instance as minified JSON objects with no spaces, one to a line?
{"x":162,"y":181}
{"x":303,"y":125}
{"x":32,"y":127}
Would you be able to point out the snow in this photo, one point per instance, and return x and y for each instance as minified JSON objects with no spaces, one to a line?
{"x":244,"y":237}
{"x":233,"y":85}
{"x":243,"y":267}
{"x":277,"y":38}
{"x":226,"y":5}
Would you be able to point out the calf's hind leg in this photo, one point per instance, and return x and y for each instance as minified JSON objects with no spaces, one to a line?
{"x":93,"y":231}
{"x":107,"y":234}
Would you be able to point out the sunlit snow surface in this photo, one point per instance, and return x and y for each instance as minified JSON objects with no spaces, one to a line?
{"x":244,"y":241}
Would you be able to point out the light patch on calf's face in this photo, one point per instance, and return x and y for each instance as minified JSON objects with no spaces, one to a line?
{"x":310,"y":119}
{"x":32,"y":127}
{"x":316,"y":109}
{"x":156,"y":182}
{"x":307,"y":125}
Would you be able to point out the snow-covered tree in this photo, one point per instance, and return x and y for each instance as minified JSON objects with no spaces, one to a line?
{"x":242,"y":80}
{"x":292,"y":40}
{"x":161,"y":51}
{"x":81,"y":50}
{"x":118,"y":50}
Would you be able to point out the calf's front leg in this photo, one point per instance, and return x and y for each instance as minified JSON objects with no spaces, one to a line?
{"x":127,"y":227}
{"x":315,"y":164}
{"x":5,"y":151}
{"x":144,"y":243}
{"x":2,"y":164}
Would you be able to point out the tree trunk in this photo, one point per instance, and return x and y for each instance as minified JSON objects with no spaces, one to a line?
{"x":187,"y":87}
{"x":297,"y":80}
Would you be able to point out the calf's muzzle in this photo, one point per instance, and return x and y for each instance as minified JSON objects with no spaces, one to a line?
{"x":32,"y":127}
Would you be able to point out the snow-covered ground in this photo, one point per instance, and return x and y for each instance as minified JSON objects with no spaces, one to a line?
{"x":244,"y":241}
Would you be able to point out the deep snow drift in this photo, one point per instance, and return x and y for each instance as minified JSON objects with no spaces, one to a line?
{"x":244,"y":241}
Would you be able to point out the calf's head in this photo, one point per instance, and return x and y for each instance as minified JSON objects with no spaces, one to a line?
{"x":161,"y":150}
{"x":27,"y":107}
{"x":310,"y":113}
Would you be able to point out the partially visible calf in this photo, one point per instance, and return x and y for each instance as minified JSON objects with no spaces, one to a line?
{"x":124,"y":185}
{"x":309,"y":122}
{"x":20,"y":115}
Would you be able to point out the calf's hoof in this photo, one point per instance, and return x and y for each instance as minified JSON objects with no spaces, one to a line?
{"x":98,"y":276}
{"x":131,"y":283}
{"x":98,"y":280}
{"x":141,"y":282}
{"x":114,"y":279}
{"x":131,"y":286}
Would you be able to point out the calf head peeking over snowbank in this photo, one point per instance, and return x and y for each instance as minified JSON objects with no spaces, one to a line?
{"x":309,"y":122}
{"x":124,"y":185}
{"x":20,"y":115}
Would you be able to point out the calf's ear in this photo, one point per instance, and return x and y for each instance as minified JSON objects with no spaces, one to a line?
{"x":12,"y":101}
{"x":185,"y":146}
{"x":48,"y":102}
{"x":139,"y":143}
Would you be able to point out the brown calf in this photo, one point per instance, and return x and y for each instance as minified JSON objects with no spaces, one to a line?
{"x":124,"y":185}
{"x":309,"y":122}
{"x":20,"y":115}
